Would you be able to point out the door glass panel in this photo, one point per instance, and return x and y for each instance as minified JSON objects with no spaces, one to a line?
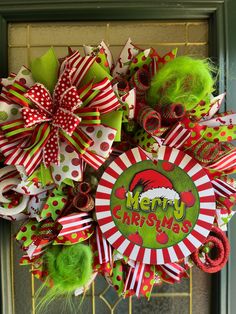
{"x":27,"y":41}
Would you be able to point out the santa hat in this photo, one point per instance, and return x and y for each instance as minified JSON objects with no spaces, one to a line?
{"x":154,"y":185}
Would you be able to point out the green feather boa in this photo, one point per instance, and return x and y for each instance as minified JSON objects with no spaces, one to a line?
{"x":184,"y":80}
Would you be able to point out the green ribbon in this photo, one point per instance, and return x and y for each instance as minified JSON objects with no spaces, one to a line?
{"x":45,"y":69}
{"x":113,"y":120}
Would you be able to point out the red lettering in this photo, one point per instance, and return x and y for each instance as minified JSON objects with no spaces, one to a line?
{"x":176,"y":228}
{"x":167,"y":223}
{"x":186,"y":226}
{"x":135,"y":218}
{"x":142,"y":221}
{"x":158,"y":225}
{"x":151,"y":219}
{"x":126,"y":219}
{"x":115,"y":210}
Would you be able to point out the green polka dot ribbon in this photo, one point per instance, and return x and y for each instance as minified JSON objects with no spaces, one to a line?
{"x":118,"y":277}
{"x":101,"y":59}
{"x":158,"y":61}
{"x":140,"y":279}
{"x":222,"y":133}
{"x":146,"y":141}
{"x":54,"y":205}
{"x":141,"y":61}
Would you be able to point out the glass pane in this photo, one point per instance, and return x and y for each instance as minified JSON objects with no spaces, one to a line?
{"x":27,"y":41}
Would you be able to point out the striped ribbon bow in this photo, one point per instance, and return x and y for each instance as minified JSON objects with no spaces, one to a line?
{"x":53,"y":116}
{"x":38,"y":133}
{"x":71,"y":229}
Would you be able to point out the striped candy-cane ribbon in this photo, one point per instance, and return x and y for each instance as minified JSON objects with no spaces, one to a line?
{"x":80,"y":64}
{"x":16,"y":94}
{"x":134,"y":279}
{"x":174,"y":270}
{"x":222,"y":188}
{"x":140,"y":279}
{"x":74,"y":223}
{"x":106,"y":100}
{"x":103,"y":247}
{"x":15,"y":130}
{"x":93,"y":160}
{"x":227,"y":162}
{"x":177,"y":136}
{"x":89,"y":116}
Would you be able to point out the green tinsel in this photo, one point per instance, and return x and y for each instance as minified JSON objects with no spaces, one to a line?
{"x":69,"y":267}
{"x":184,"y":80}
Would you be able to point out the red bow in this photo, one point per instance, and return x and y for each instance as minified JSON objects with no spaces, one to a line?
{"x":55,"y":113}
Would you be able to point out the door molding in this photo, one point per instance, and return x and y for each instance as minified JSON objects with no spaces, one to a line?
{"x":61,"y":10}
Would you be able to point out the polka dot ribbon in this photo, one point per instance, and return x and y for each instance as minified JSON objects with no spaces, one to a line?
{"x":55,"y":117}
{"x":67,"y":230}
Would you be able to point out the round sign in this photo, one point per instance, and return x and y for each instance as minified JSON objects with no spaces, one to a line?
{"x":155,"y":212}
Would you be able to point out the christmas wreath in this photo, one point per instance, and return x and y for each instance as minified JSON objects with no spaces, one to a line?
{"x":118,"y":168}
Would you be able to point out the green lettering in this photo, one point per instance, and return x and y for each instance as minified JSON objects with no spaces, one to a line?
{"x":145,"y":203}
{"x":179,"y":210}
{"x":155,"y":203}
{"x":164,"y":204}
{"x":132,"y":202}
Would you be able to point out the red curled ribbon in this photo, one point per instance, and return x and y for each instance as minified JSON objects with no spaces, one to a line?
{"x":170,"y":113}
{"x":148,"y":118}
{"x":214,"y":260}
{"x":141,"y":81}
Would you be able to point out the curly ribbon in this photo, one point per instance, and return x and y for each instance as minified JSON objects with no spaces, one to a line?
{"x":82,"y":187}
{"x":219,"y":249}
{"x":148,"y":118}
{"x":171,"y":113}
{"x":83,"y":202}
{"x":122,"y":86}
{"x":140,"y":81}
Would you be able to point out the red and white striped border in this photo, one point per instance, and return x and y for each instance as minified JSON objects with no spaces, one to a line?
{"x":156,"y":256}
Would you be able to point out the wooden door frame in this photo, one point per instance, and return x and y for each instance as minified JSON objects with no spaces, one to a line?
{"x":61,"y":10}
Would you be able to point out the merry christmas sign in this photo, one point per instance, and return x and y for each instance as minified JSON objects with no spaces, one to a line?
{"x":155,"y":211}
